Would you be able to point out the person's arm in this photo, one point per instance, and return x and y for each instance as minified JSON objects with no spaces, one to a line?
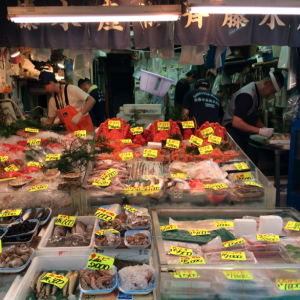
{"x":49,"y":121}
{"x":259,"y":123}
{"x":184,"y":114}
{"x":90,"y":102}
{"x":186,"y":107}
{"x":241,"y":125}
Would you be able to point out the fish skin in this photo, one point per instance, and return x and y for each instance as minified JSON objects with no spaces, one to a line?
{"x":65,"y":288}
{"x":41,"y":149}
{"x":73,"y":282}
{"x":49,"y":286}
{"x":34,"y":280}
{"x":37,"y":156}
{"x":40,"y":284}
{"x":55,"y":288}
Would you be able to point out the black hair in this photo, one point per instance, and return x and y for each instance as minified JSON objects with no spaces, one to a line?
{"x":279,"y":78}
{"x":192,"y":73}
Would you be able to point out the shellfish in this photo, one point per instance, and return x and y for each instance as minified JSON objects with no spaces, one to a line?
{"x":18,"y":182}
{"x":73,"y":176}
{"x":51,"y":174}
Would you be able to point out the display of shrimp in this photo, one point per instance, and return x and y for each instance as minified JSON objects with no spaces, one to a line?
{"x":97,"y":280}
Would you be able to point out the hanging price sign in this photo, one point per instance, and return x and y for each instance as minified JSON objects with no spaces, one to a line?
{"x":168,"y":227}
{"x":187,"y":124}
{"x":207,"y":132}
{"x":206,"y":149}
{"x":181,"y":251}
{"x":293,"y":226}
{"x":128,"y":141}
{"x":109,"y":174}
{"x":253,"y":184}
{"x":54,"y":279}
{"x":101,"y":182}
{"x":136,"y":130}
{"x":38,"y":187}
{"x":114,"y":124}
{"x":33,"y":142}
{"x":199,"y":232}
{"x":185,"y":274}
{"x":243,"y":176}
{"x":31,"y":130}
{"x":238,"y":275}
{"x":100,"y":262}
{"x":150,"y":153}
{"x":268,"y":238}
{"x":233,"y":255}
{"x":163,"y":126}
{"x":67,"y":221}
{"x":241,"y":166}
{"x":194,"y":260}
{"x":233,"y":243}
{"x":173,"y":144}
{"x":3,"y":158}
{"x":80,"y":133}
{"x":105,"y":215}
{"x":179,"y":175}
{"x":131,"y":209}
{"x":223,"y":224}
{"x":10,"y":212}
{"x":288,"y":284}
{"x":51,"y":157}
{"x":126,"y":156}
{"x":196,"y":140}
{"x":35,"y":164}
{"x":11,"y":167}
{"x":214,"y":139}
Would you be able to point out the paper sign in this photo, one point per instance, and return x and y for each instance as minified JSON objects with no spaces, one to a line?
{"x":57,"y":280}
{"x":51,"y":157}
{"x":194,"y":260}
{"x":179,"y":175}
{"x":185,"y":274}
{"x":80,"y":133}
{"x":131,"y":190}
{"x":214,"y":139}
{"x":150,"y":189}
{"x":207,"y":132}
{"x":219,"y":186}
{"x":11,"y":178}
{"x":253,"y":184}
{"x":268,"y":238}
{"x":173,"y":144}
{"x":128,"y":141}
{"x":100,"y":262}
{"x":206,"y":149}
{"x":102,"y":232}
{"x":199,"y":232}
{"x":31,"y":130}
{"x":233,"y":255}
{"x":64,"y":220}
{"x":3,"y":158}
{"x":150,"y":153}
{"x":233,"y":243}
{"x":187,"y":124}
{"x":168,"y":227}
{"x":109,"y":174}
{"x":114,"y":124}
{"x":126,"y":156}
{"x":243,"y":176}
{"x":238,"y":275}
{"x":35,"y":164}
{"x":101,"y":182}
{"x":11,"y":167}
{"x":181,"y":251}
{"x":241,"y":166}
{"x":223,"y":224}
{"x":288,"y":284}
{"x":33,"y":142}
{"x":131,"y":209}
{"x":293,"y":226}
{"x":136,"y":130}
{"x":104,"y":214}
{"x":38,"y":187}
{"x":10,"y":212}
{"x":208,"y":186}
{"x":163,"y":126}
{"x":196,"y":140}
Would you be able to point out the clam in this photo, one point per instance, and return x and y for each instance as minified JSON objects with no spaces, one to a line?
{"x":51,"y":174}
{"x":73,"y":176}
{"x":18,"y":182}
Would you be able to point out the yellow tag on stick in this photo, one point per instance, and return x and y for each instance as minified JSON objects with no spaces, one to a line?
{"x":181,"y":251}
{"x":33,"y":142}
{"x":104,"y":214}
{"x":228,"y":255}
{"x":187,"y":124}
{"x":10,"y":212}
{"x":102,"y":232}
{"x":131,"y":209}
{"x":11,"y":167}
{"x":136,"y":130}
{"x":243,"y":176}
{"x":194,"y":260}
{"x":214,"y":139}
{"x":114,"y":124}
{"x":223,"y":224}
{"x":253,"y":184}
{"x":206,"y":149}
{"x":100,"y":262}
{"x":64,"y":220}
{"x":163,"y":126}
{"x":31,"y":130}
{"x":173,"y":144}
{"x":168,"y":227}
{"x":196,"y":140}
{"x":109,"y":174}
{"x":101,"y":182}
{"x":80,"y":133}
{"x":233,"y":243}
{"x":288,"y":284}
{"x":293,"y":226}
{"x":51,"y":157}
{"x":150,"y":153}
{"x":241,"y":166}
{"x":128,"y":141}
{"x":268,"y":238}
{"x":126,"y":156}
{"x":207,"y":132}
{"x":35,"y":164}
{"x":54,"y":279}
{"x":38,"y":187}
{"x":195,"y":232}
{"x":185,"y":274}
{"x":238,"y":275}
{"x":3,"y":158}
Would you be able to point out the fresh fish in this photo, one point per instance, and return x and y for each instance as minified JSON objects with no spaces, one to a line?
{"x":65,"y":288}
{"x":42,"y":149}
{"x":45,"y":215}
{"x":39,"y":213}
{"x":73,"y":282}
{"x":60,"y":231}
{"x":49,"y":286}
{"x":55,"y":288}
{"x":39,"y":284}
{"x":42,"y":293}
{"x":36,"y":156}
{"x":80,"y":228}
{"x":33,"y":281}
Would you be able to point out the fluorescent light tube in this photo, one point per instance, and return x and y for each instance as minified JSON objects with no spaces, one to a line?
{"x":15,"y":54}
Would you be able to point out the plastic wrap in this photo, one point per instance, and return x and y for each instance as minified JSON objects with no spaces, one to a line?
{"x":108,"y":240}
{"x":195,"y":247}
{"x":256,"y":245}
{"x":179,"y":167}
{"x":291,"y":111}
{"x":140,"y":169}
{"x":215,"y":258}
{"x":291,"y":249}
{"x":216,"y":246}
{"x":139,"y":220}
{"x":137,"y":239}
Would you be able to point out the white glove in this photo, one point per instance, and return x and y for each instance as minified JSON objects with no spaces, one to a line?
{"x":266,"y":131}
{"x":76,"y":118}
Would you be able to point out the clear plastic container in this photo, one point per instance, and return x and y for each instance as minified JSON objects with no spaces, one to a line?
{"x":107,"y":247}
{"x":240,"y":295}
{"x":216,"y":245}
{"x":291,"y":249}
{"x":195,"y":247}
{"x":134,"y":232}
{"x":215,"y":258}
{"x":138,"y":220}
{"x":257,"y":245}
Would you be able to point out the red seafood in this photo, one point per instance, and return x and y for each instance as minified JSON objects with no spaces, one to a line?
{"x":11,"y":174}
{"x":13,"y":148}
{"x":30,"y":169}
{"x":113,"y":133}
{"x":196,"y":186}
{"x":217,"y":128}
{"x":158,"y":136}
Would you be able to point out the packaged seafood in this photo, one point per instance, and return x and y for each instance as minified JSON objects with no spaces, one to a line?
{"x":216,"y":258}
{"x":246,"y":193}
{"x":114,"y":224}
{"x":41,"y":214}
{"x":108,"y":240}
{"x":231,"y":167}
{"x":138,"y":220}
{"x":195,"y":247}
{"x":284,"y":286}
{"x":241,"y":295}
{"x":291,"y":249}
{"x":256,"y":245}
{"x":216,"y":245}
{"x":137,"y":169}
{"x":137,"y":239}
{"x":20,"y":229}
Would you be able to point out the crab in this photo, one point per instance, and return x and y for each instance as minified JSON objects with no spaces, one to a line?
{"x":159,"y":136}
{"x":181,"y":155}
{"x":113,"y":133}
{"x":218,"y":130}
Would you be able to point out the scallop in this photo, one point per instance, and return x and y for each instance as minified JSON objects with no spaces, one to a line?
{"x":73,"y":176}
{"x":18,"y":182}
{"x":51,"y":174}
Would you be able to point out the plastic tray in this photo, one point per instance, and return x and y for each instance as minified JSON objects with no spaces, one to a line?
{"x":18,"y":243}
{"x":5,"y":231}
{"x":254,"y":245}
{"x":140,"y":227}
{"x":100,"y":292}
{"x":133,"y":232}
{"x":98,"y":225}
{"x":215,"y":258}
{"x":221,"y":164}
{"x":38,"y":209}
{"x":107,"y":247}
{"x":16,"y":220}
{"x":27,"y":233}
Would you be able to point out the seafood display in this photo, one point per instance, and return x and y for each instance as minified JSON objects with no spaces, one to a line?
{"x":8,"y":220}
{"x":137,"y":239}
{"x":40,"y":214}
{"x":115,"y":224}
{"x":109,"y":239}
{"x":142,"y":169}
{"x":15,"y":257}
{"x":20,"y":228}
{"x":139,"y":220}
{"x":97,"y":280}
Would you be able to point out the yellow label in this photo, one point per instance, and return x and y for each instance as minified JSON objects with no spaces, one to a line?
{"x":150,"y":153}
{"x":5,"y":179}
{"x":173,"y":144}
{"x":35,"y":164}
{"x":207,"y":132}
{"x":101,"y":182}
{"x":208,"y":186}
{"x":194,"y":260}
{"x":109,"y":174}
{"x":185,"y":274}
{"x":233,"y":243}
{"x":179,"y":175}
{"x":11,"y":167}
{"x":10,"y":212}
{"x":131,"y":190}
{"x":31,"y":130}
{"x":187,"y":124}
{"x":206,"y":149}
{"x":219,"y":186}
{"x":238,"y":275}
{"x":214,"y":139}
{"x":80,"y":133}
{"x":168,"y":227}
{"x":223,"y":224}
{"x":104,"y":214}
{"x":241,"y":166}
{"x":181,"y":251}
{"x":126,"y":156}
{"x":102,"y":232}
{"x":33,"y":142}
{"x":229,"y":255}
{"x":114,"y":124}
{"x":253,"y":184}
{"x":150,"y":189}
{"x":293,"y":226}
{"x":51,"y":157}
{"x":243,"y":176}
{"x":293,"y":271}
{"x":136,"y":130}
{"x":38,"y":187}
{"x":196,"y":140}
{"x":100,"y":262}
{"x":57,"y":280}
{"x":131,"y":209}
{"x":268,"y":238}
{"x":64,"y":220}
{"x":3,"y":158}
{"x":199,"y":232}
{"x":288,"y":284}
{"x":128,"y":141}
{"x":163,"y":126}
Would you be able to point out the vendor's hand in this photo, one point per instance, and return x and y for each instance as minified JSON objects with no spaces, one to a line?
{"x":266,"y":131}
{"x":76,"y":118}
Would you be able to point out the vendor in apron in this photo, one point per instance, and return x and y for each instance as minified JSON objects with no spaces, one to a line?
{"x":67,"y":103}
{"x":242,"y":116}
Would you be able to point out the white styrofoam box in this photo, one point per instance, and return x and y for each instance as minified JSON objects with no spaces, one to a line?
{"x":270,"y":224}
{"x":42,"y":250}
{"x":154,"y":84}
{"x":154,"y":145}
{"x":244,"y":227}
{"x":74,"y":263}
{"x":143,"y":109}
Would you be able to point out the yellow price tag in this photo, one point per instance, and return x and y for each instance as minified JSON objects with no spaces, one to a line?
{"x":136,"y":130}
{"x":35,"y":164}
{"x":181,"y":251}
{"x":238,"y":275}
{"x":11,"y":167}
{"x":54,"y":279}
{"x":101,"y":182}
{"x":208,"y":186}
{"x":100,"y":262}
{"x":173,"y":144}
{"x":131,"y":190}
{"x":185,"y":274}
{"x":109,"y":174}
{"x":150,"y":189}
{"x":64,"y":220}
{"x":288,"y":284}
{"x":179,"y":175}
{"x":194,"y":260}
{"x":241,"y":166}
{"x":207,"y":132}
{"x":233,"y":243}
{"x":196,"y":140}
{"x":51,"y":157}
{"x":127,"y":141}
{"x":10,"y":212}
{"x":168,"y":227}
{"x":187,"y":124}
{"x":243,"y":176}
{"x":163,"y":126}
{"x":80,"y":133}
{"x":293,"y":226}
{"x":199,"y":232}
{"x":253,"y":184}
{"x":206,"y":149}
{"x":268,"y":238}
{"x":104,"y":214}
{"x":102,"y":232}
{"x":114,"y":124}
{"x":223,"y":224}
{"x":5,"y":179}
{"x":150,"y":153}
{"x":126,"y":156}
{"x":38,"y":187}
{"x":3,"y":158}
{"x":214,"y":139}
{"x":33,"y":142}
{"x":228,"y":255}
{"x":219,"y":186}
{"x":131,"y":209}
{"x":31,"y":130}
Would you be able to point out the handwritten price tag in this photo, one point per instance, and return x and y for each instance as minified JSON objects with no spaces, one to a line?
{"x":293,"y":226}
{"x":126,"y":156}
{"x":168,"y":227}
{"x":233,"y":255}
{"x":5,"y":179}
{"x":150,"y":189}
{"x":223,"y":224}
{"x":185,"y":274}
{"x":150,"y":153}
{"x":188,"y":124}
{"x":131,"y":190}
{"x":233,"y":243}
{"x":128,"y":141}
{"x":102,"y":232}
{"x":253,"y":184}
{"x":243,"y":176}
{"x":179,"y":175}
{"x":288,"y":284}
{"x":51,"y":157}
{"x":80,"y":133}
{"x":64,"y":220}
{"x":219,"y":186}
{"x":38,"y":187}
{"x":101,"y":182}
{"x":3,"y":158}
{"x":10,"y":212}
{"x":100,"y":262}
{"x":104,"y":214}
{"x":33,"y":142}
{"x":207,"y":132}
{"x":136,"y":130}
{"x":195,"y":232}
{"x":114,"y":124}
{"x":11,"y":167}
{"x":131,"y":209}
{"x":31,"y":130}
{"x":208,"y":186}
{"x":109,"y":174}
{"x":206,"y":149}
{"x":181,"y":251}
{"x":35,"y":164}
{"x":241,"y":166}
{"x":214,"y":139}
{"x":194,"y":260}
{"x":195,"y":140}
{"x":238,"y":275}
{"x":173,"y":144}
{"x":163,"y":126}
{"x":57,"y":280}
{"x":268,"y":238}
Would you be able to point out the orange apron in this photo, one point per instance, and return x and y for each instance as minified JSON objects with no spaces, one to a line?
{"x":67,"y":113}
